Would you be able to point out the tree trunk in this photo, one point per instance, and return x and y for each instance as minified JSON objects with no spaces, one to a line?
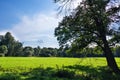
{"x":110,"y":57}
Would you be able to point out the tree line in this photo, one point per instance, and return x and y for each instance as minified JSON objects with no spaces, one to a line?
{"x":11,"y":47}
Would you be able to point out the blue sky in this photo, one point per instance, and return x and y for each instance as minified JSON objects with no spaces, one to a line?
{"x":12,"y":9}
{"x":30,"y":21}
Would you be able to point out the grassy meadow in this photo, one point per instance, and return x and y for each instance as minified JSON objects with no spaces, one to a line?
{"x":52,"y":68}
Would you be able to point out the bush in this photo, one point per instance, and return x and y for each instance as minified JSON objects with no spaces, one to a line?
{"x":64,"y":73}
{"x":2,"y":55}
{"x":9,"y":76}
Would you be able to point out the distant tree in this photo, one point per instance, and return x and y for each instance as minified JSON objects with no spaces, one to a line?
{"x":45,"y":52}
{"x":52,"y":51}
{"x":64,"y":52}
{"x":3,"y":50}
{"x":48,"y":52}
{"x":117,"y":52}
{"x":90,"y":23}
{"x":37,"y":51}
{"x":28,"y":51}
{"x":9,"y":41}
{"x":97,"y":51}
{"x":18,"y":48}
{"x":1,"y":38}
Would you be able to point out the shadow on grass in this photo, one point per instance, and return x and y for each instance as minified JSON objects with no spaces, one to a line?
{"x":75,"y":72}
{"x":99,"y":73}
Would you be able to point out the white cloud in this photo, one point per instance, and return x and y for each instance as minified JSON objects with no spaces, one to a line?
{"x":39,"y":27}
{"x":3,"y":32}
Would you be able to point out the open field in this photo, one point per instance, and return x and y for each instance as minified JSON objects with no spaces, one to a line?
{"x":52,"y":68}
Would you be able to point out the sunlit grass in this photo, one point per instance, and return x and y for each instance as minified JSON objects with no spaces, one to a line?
{"x":47,"y":68}
{"x":33,"y":62}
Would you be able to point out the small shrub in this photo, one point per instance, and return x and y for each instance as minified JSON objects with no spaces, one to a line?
{"x":64,"y":74}
{"x":9,"y":76}
{"x":2,"y":55}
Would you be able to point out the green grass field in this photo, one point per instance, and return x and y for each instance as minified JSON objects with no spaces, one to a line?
{"x":52,"y":68}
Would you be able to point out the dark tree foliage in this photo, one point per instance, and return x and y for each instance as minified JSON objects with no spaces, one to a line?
{"x":117,"y":51}
{"x":91,"y":23}
{"x":48,"y":52}
{"x":37,"y":51}
{"x":18,"y":48}
{"x":28,"y":51}
{"x":8,"y":40}
{"x":3,"y":50}
{"x":14,"y":47}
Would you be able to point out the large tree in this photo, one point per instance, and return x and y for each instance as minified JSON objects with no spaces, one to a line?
{"x":91,"y":23}
{"x":9,"y":41}
{"x":14,"y":47}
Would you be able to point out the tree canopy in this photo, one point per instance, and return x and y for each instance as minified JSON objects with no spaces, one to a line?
{"x":88,"y":23}
{"x":3,"y":50}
